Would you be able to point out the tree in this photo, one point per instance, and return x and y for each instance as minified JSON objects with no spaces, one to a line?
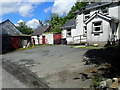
{"x":56,"y":21}
{"x":46,"y":22}
{"x":24,"y":28}
{"x":77,"y":6}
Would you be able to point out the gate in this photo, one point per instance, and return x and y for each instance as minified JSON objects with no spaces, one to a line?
{"x":57,"y":38}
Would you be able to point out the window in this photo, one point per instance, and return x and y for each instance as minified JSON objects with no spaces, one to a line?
{"x":104,"y":10}
{"x":69,"y":32}
{"x":84,"y":30}
{"x":97,"y":26}
{"x":87,"y":15}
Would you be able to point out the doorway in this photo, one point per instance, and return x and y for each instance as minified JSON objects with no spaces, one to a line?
{"x":43,"y":40}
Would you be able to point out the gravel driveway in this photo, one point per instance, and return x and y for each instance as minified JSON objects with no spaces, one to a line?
{"x":55,"y":66}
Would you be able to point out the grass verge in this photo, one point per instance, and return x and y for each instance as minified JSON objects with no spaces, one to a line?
{"x":86,"y":47}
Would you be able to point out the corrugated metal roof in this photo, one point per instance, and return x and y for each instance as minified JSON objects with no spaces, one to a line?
{"x":8,"y":28}
{"x":70,"y":23}
{"x":40,"y":30}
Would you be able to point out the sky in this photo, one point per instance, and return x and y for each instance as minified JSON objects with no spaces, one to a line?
{"x":31,"y":11}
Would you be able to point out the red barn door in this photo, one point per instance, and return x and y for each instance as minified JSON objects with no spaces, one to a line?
{"x":43,"y":40}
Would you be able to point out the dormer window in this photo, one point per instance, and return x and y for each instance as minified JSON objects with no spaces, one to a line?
{"x":87,"y":15}
{"x":104,"y":10}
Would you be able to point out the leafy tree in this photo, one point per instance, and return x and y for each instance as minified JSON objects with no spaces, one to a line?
{"x":56,"y":21}
{"x":24,"y":28}
{"x":46,"y":22}
{"x":77,"y":6}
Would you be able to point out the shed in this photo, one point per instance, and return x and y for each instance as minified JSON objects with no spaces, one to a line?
{"x":42,"y":35}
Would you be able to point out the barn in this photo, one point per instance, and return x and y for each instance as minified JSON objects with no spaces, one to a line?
{"x":11,"y":37}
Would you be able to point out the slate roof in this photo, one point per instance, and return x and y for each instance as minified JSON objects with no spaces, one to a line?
{"x":40,"y":30}
{"x":8,"y":28}
{"x":93,"y":5}
{"x":96,"y":4}
{"x":70,"y":23}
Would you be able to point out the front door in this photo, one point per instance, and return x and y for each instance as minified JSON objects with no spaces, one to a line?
{"x":43,"y":40}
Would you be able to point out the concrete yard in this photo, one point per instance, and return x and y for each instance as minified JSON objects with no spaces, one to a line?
{"x":54,"y":66}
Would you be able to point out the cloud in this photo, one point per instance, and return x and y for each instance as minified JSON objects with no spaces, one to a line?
{"x":34,"y":23}
{"x":26,"y":10}
{"x":19,"y":22}
{"x":23,"y":7}
{"x":62,"y":6}
{"x":48,"y":9}
{"x":8,"y":7}
{"x":26,"y":7}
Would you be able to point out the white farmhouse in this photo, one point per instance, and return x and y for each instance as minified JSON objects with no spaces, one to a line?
{"x":98,"y":23}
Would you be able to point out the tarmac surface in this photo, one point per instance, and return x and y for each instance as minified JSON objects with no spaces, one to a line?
{"x":49,"y":66}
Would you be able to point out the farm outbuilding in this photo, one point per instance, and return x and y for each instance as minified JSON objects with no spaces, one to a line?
{"x":11,"y":37}
{"x":42,"y":35}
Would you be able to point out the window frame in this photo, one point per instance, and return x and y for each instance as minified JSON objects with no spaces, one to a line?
{"x":84,"y":30}
{"x":93,"y":27}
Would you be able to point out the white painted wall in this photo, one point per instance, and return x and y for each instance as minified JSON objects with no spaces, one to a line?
{"x":114,"y":12}
{"x":49,"y":38}
{"x":80,"y":24}
{"x":103,"y":37}
{"x":73,"y":32}
{"x":36,"y":39}
{"x":64,"y":33}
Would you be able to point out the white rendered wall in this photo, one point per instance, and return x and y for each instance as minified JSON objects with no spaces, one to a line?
{"x":49,"y":38}
{"x":64,"y":33}
{"x":114,"y":12}
{"x":79,"y":25}
{"x":103,"y":36}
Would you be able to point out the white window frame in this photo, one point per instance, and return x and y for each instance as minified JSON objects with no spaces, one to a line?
{"x":100,"y":26}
